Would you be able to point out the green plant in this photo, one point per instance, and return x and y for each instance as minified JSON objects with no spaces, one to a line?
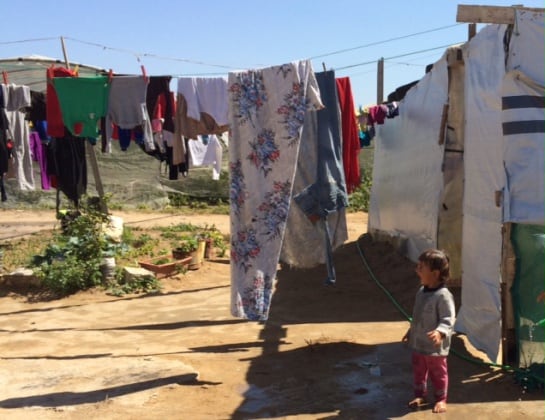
{"x":141,"y":284}
{"x":137,"y":245}
{"x":187,"y":243}
{"x":359,"y":199}
{"x":216,"y":237}
{"x":71,"y":261}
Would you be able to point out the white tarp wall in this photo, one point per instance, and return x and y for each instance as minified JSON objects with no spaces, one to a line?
{"x":480,"y":313}
{"x":407,"y":177}
{"x":488,"y":155}
{"x":524,"y":198}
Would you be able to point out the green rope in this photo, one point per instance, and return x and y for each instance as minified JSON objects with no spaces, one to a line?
{"x":521,"y":373}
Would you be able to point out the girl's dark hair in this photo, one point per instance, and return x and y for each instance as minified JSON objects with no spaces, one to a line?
{"x":436,"y":259}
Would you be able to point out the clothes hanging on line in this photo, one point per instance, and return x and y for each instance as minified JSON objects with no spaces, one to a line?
{"x":67,"y":166}
{"x":201,"y":108}
{"x":83,"y":102}
{"x":319,"y":189}
{"x":38,"y":152}
{"x":206,"y":154}
{"x":16,"y":100}
{"x":127,"y":107}
{"x":351,"y":142}
{"x":267,"y":109}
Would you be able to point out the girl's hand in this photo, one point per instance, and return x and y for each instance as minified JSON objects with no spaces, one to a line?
{"x":436,"y":337}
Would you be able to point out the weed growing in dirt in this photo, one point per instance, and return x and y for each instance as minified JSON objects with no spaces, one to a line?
{"x":142,"y":284}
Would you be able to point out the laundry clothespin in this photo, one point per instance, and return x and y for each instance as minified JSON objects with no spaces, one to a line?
{"x":50,"y":71}
{"x":144,"y":74}
{"x":5,"y":77}
{"x":110,"y":76}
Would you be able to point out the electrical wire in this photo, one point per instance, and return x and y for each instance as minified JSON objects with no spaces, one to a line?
{"x":28,"y":40}
{"x":383,"y":42}
{"x":159,"y":57}
{"x":397,"y":56}
{"x":138,"y":55}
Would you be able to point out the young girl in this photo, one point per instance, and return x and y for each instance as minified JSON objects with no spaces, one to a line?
{"x":431,"y":329}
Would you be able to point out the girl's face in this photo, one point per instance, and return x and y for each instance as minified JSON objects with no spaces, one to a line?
{"x":429,"y":278}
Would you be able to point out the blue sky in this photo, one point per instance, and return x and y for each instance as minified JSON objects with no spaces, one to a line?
{"x":201,"y":38}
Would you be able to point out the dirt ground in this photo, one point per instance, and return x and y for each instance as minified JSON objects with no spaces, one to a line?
{"x":326,"y":351}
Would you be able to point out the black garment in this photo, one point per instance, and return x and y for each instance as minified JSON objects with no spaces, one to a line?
{"x":183,"y":168}
{"x":66,"y":161}
{"x":157,"y":86}
{"x":400,"y":92}
{"x":37,"y":110}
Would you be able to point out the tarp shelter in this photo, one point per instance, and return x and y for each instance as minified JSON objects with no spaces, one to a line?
{"x":31,"y":70}
{"x":462,"y":165}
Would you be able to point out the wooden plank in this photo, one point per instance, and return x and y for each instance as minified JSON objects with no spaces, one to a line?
{"x":490,"y":14}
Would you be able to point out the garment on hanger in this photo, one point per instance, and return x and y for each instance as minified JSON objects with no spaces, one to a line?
{"x":267,"y":108}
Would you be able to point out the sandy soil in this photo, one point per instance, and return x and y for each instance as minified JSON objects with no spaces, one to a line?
{"x":326,"y":352}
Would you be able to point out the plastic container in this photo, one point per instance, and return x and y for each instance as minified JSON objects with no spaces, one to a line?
{"x":107,"y":268}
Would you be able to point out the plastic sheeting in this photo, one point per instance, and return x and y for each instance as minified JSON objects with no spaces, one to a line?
{"x":480,"y":313}
{"x":407,"y":177}
{"x":526,"y":46}
{"x":523,"y":118}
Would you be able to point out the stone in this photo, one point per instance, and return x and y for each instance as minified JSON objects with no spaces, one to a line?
{"x":21,"y":277}
{"x":130,"y":274}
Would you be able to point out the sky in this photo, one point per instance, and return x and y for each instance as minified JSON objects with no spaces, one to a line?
{"x":210,"y":38}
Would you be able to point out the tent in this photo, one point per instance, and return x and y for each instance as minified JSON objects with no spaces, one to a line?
{"x":462,"y":168}
{"x":31,"y":70}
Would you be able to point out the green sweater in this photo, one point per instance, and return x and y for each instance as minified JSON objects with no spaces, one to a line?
{"x":83,"y":101}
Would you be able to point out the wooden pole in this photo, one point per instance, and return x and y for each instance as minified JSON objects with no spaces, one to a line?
{"x":380,"y":80}
{"x":471,"y":30}
{"x":90,"y":151}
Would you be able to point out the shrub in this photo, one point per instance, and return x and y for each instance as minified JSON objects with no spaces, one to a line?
{"x":71,"y":261}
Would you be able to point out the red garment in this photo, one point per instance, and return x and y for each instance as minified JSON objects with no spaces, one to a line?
{"x":351,"y":139}
{"x":163,"y":110}
{"x":377,"y":114}
{"x":55,"y":124}
{"x":435,"y":367}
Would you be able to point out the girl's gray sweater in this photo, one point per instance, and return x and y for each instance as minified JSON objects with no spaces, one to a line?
{"x":433,"y":310}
